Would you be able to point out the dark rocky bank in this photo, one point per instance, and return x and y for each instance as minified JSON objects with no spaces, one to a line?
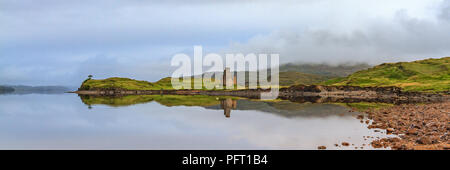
{"x":298,"y":93}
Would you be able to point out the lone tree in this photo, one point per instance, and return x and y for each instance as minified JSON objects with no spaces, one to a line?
{"x":90,"y":76}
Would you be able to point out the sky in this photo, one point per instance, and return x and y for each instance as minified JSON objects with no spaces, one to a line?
{"x":53,"y":42}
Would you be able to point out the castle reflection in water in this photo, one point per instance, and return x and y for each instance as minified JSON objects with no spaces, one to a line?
{"x":227,"y":105}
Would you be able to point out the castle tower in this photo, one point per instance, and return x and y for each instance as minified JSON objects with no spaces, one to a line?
{"x":228,"y":78}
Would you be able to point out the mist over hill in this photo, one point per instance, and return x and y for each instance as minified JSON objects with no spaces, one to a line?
{"x":324,"y":69}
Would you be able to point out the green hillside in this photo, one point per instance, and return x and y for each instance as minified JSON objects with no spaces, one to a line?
{"x":289,"y":78}
{"x":324,"y":69}
{"x":286,"y":79}
{"x":125,"y":83}
{"x":293,"y":78}
{"x":128,"y":84}
{"x":430,"y":75}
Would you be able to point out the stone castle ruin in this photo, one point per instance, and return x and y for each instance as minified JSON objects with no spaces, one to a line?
{"x":229,"y":77}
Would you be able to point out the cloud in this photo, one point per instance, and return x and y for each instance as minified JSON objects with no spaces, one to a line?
{"x":61,"y":42}
{"x":445,"y":12}
{"x":398,"y":39}
{"x":103,"y":66}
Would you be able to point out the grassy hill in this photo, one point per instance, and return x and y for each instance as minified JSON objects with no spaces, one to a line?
{"x":430,"y":75}
{"x":292,"y":78}
{"x":289,"y":78}
{"x":290,"y":74}
{"x":125,"y":83}
{"x":286,"y":79}
{"x":324,"y":69}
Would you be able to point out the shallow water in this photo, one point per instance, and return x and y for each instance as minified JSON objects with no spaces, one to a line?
{"x":64,"y":121}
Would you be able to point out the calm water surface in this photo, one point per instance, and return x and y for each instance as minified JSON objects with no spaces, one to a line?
{"x":64,"y":121}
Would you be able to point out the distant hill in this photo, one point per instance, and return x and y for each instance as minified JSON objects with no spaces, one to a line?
{"x":21,"y":89}
{"x":308,"y":74}
{"x":324,"y":69}
{"x":6,"y":89}
{"x":432,"y":75}
{"x":289,"y":78}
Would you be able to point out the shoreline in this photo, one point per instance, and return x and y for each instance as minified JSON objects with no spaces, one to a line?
{"x":419,"y":127}
{"x":299,"y":93}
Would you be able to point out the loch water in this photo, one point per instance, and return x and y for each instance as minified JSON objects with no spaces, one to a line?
{"x":69,"y":121}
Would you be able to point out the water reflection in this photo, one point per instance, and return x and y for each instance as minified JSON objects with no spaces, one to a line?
{"x":166,"y":100}
{"x":25,"y":90}
{"x":284,"y":108}
{"x":227,"y":105}
{"x":173,"y":122}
